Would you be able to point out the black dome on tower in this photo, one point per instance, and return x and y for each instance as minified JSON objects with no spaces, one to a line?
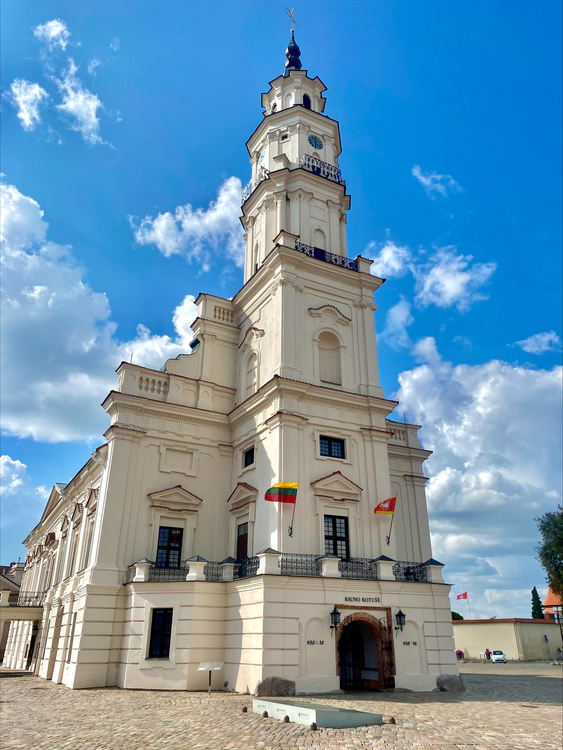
{"x":293,"y":54}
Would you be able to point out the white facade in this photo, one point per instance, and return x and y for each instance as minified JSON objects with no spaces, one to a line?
{"x":282,"y":384}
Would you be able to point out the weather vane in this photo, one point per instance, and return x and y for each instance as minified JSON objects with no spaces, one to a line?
{"x":291,"y":13}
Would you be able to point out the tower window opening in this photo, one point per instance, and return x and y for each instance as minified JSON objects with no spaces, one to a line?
{"x":285,"y":136}
{"x":306,"y":101}
{"x":274,"y":107}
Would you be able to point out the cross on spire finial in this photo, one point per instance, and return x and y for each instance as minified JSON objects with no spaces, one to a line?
{"x":291,"y":13}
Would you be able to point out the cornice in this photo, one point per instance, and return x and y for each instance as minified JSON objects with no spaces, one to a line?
{"x":153,"y":408}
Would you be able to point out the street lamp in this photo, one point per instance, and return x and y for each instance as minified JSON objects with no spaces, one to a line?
{"x":334,"y":619}
{"x":400,"y":619}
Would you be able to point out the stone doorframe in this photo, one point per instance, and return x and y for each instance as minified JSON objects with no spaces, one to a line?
{"x":375,"y":625}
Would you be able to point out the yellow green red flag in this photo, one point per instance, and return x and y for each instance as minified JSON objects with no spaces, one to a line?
{"x":283,"y":492}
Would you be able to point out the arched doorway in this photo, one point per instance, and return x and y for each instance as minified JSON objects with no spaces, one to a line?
{"x":365,"y":653}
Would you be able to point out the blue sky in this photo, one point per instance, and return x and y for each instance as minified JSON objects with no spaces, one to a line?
{"x":450,"y":115}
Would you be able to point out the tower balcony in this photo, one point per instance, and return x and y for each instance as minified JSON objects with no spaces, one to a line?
{"x":322,"y":168}
{"x":324,"y":255}
{"x":261,"y":175}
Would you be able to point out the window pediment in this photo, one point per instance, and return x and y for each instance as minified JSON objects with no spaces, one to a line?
{"x":336,"y":486}
{"x":175,"y":499}
{"x":242,"y":495}
{"x":329,"y":313}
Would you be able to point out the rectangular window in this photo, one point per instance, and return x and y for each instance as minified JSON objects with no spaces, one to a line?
{"x":242,"y":541}
{"x":169,"y":547}
{"x":161,"y":632}
{"x":331,"y":447}
{"x":337,"y":541}
{"x":248,"y":458}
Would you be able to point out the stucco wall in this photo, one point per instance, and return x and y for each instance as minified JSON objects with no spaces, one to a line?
{"x":519,"y":639}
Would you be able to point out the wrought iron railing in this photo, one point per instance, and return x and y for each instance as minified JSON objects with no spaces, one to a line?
{"x":213,"y":572}
{"x":291,"y":564}
{"x":410,"y":571}
{"x":169,"y":574}
{"x":322,"y":168}
{"x":324,"y":255}
{"x":27,"y":599}
{"x":261,"y":175}
{"x":245,"y":568}
{"x":358,"y":567}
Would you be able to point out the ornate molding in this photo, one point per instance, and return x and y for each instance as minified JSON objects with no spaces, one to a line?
{"x":331,"y":312}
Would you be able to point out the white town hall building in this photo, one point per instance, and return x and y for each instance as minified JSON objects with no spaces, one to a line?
{"x":162,"y":552}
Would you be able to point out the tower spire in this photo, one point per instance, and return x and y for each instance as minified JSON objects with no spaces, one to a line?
{"x":292,"y":53}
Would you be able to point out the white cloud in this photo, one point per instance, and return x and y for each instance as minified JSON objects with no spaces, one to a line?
{"x":495,"y":430}
{"x":539,"y":343}
{"x":443,"y":184}
{"x":396,"y":322}
{"x":115,"y":44}
{"x":27,"y":98}
{"x":93,"y":64}
{"x":391,"y":259}
{"x":20,"y":503}
{"x":451,"y":280}
{"x":193,"y":233}
{"x":80,"y":105}
{"x":53,"y":33}
{"x":59,"y":348}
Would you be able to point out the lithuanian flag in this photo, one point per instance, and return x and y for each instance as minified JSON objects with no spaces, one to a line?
{"x":283,"y":492}
{"x":386,"y":506}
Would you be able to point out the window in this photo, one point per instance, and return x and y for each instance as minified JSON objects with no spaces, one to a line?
{"x":248,"y":457}
{"x":306,"y":101}
{"x":274,"y":107}
{"x":161,"y":631}
{"x":251,"y":372}
{"x":87,"y":544}
{"x":169,"y":547}
{"x":331,"y":447}
{"x":285,"y":136}
{"x":242,"y":541}
{"x":319,"y":239}
{"x":330,"y":368}
{"x":337,"y":541}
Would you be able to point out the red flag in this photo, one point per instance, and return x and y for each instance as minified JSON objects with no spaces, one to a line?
{"x":386,"y":506}
{"x":462,"y":596}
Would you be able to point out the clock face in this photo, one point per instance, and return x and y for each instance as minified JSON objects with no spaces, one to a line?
{"x":315,"y":142}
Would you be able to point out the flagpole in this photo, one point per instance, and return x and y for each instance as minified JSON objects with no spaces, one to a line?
{"x":290,"y":529}
{"x":469,"y":607}
{"x":388,"y":537}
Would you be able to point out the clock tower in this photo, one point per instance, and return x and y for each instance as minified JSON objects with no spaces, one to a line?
{"x":296,"y":183}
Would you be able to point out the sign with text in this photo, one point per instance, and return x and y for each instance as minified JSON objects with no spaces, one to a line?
{"x":362,"y":600}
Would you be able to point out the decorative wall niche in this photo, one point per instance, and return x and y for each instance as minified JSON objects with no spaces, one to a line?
{"x":178,"y":459}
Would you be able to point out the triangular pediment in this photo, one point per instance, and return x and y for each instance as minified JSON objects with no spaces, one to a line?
{"x":176,"y":499}
{"x":242,"y":494}
{"x":54,"y":499}
{"x":337,"y":486}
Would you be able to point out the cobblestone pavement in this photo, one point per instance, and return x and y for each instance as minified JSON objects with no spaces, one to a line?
{"x":506,"y":707}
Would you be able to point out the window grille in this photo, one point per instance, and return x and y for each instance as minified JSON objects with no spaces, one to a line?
{"x":169,"y":547}
{"x":161,"y":632}
{"x":337,"y":541}
{"x":332,"y":447}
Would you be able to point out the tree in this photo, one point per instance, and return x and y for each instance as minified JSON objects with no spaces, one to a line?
{"x":550,"y":551}
{"x":456,"y":616}
{"x":537,"y":611}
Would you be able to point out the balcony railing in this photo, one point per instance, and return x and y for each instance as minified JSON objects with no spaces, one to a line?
{"x":408,"y":571}
{"x":261,"y":175}
{"x":246,"y":568}
{"x":324,"y":255}
{"x":27,"y":599}
{"x":289,"y":564}
{"x":322,"y":168}
{"x":358,"y":567}
{"x":300,"y":565}
{"x":169,"y":574}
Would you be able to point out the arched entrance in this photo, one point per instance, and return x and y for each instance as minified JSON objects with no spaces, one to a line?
{"x":365,"y":653}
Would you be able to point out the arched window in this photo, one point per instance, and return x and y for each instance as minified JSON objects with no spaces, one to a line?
{"x":274,"y":107}
{"x":330,"y":367}
{"x":251,"y":375}
{"x":319,"y":239}
{"x":256,"y":251}
{"x":306,"y":101}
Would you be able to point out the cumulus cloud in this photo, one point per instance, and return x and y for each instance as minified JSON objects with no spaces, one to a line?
{"x":20,"y":503}
{"x":434,"y":183}
{"x":449,"y":279}
{"x":391,"y":259}
{"x":79,"y":105}
{"x":489,"y":477}
{"x":59,"y":348}
{"x":194,"y":233}
{"x":53,"y":33}
{"x":396,"y":322}
{"x":27,"y":98}
{"x":539,"y":343}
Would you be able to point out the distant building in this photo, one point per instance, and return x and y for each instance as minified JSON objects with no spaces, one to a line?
{"x":553,"y":606}
{"x":10,"y":580}
{"x":162,"y":551}
{"x":521,"y":639}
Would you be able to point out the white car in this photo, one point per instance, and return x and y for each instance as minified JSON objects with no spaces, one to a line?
{"x":498,"y":656}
